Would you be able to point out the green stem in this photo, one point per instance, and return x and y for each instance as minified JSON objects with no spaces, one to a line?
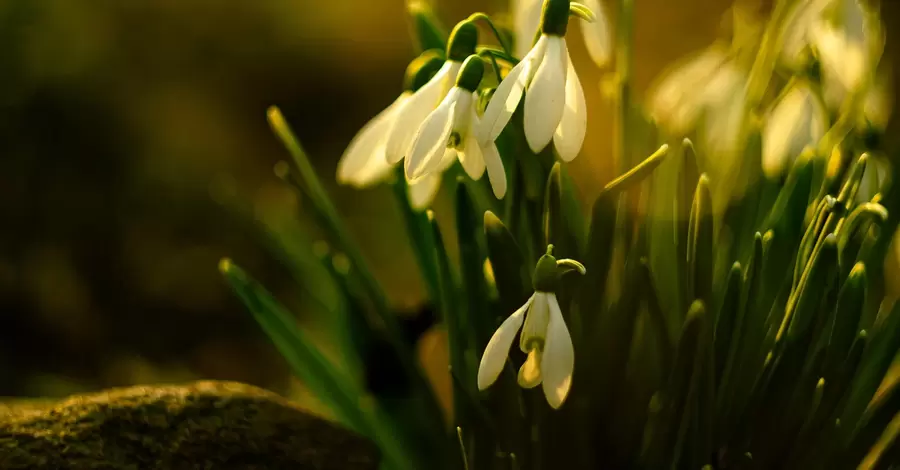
{"x":624,"y":45}
{"x":487,"y":19}
{"x":330,"y":217}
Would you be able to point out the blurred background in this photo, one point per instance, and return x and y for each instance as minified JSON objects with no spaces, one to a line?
{"x":128,"y":130}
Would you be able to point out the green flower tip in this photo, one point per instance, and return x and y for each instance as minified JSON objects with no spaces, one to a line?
{"x":555,"y":17}
{"x":546,"y":273}
{"x":471,"y":73}
{"x":225,"y":265}
{"x":463,"y":40}
{"x":491,"y":221}
{"x":858,"y":271}
{"x":696,"y":312}
{"x":422,"y":68}
{"x":430,"y":215}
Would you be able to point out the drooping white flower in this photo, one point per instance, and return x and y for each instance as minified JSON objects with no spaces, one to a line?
{"x":544,"y":337}
{"x":555,"y":108}
{"x":597,"y":40}
{"x":796,"y":121}
{"x":415,"y":109}
{"x":847,"y":40}
{"x":364,"y":162}
{"x":693,"y":86}
{"x":448,"y":133}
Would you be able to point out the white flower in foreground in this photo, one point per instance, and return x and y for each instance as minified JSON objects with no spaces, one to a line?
{"x":364,"y":162}
{"x":448,"y":133}
{"x":796,"y":121}
{"x":414,"y":110}
{"x":597,"y":40}
{"x":544,"y":338}
{"x":555,"y":108}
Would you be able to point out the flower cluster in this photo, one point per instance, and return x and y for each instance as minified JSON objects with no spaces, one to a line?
{"x":435,"y":121}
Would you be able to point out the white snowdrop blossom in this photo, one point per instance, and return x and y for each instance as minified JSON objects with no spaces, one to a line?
{"x":555,"y":108}
{"x":796,"y":121}
{"x":544,"y":337}
{"x":413,"y":111}
{"x":448,"y":133}
{"x":847,"y":42}
{"x":596,"y":34}
{"x":364,"y":162}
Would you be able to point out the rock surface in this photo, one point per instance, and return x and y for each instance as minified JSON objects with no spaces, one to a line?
{"x":203,"y":425}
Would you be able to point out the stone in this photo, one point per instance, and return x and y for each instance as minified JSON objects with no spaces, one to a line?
{"x":201,"y":425}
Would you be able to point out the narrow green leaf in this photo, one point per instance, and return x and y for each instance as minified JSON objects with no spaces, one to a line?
{"x":876,"y":362}
{"x":556,"y":229}
{"x":638,"y":173}
{"x":728,"y":321}
{"x":511,"y":275}
{"x":476,"y":320}
{"x":420,"y":236}
{"x":847,"y":314}
{"x":598,"y":258}
{"x":325,"y":381}
{"x":872,"y":425}
{"x":814,"y":285}
{"x":701,"y":244}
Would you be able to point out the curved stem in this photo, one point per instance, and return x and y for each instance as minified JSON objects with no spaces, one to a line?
{"x":487,"y":19}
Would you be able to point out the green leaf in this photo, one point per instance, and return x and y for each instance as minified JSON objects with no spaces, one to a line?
{"x":475,"y":318}
{"x":876,"y":362}
{"x":420,"y":236}
{"x":872,"y":425}
{"x":428,"y":31}
{"x":847,"y":315}
{"x":324,"y":380}
{"x":511,"y":275}
{"x":637,"y":174}
{"x":598,"y":258}
{"x":701,"y":244}
{"x":729,"y":322}
{"x":556,"y":229}
{"x":814,"y":285}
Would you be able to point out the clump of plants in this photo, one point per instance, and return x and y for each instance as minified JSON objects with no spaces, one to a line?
{"x":721,"y":304}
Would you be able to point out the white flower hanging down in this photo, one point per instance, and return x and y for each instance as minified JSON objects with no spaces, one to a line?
{"x":416,"y":108}
{"x":544,"y":338}
{"x":596,"y":34}
{"x":796,"y":121}
{"x":448,"y":133}
{"x":555,"y":108}
{"x":364,"y":162}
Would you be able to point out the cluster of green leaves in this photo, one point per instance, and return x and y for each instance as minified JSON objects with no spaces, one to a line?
{"x":750,"y":337}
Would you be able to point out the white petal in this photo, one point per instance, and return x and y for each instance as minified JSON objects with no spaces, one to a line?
{"x":431,"y":138}
{"x":530,"y":372}
{"x":496,"y":172}
{"x":411,"y":114}
{"x":596,"y":35}
{"x":569,"y":135}
{"x":559,"y":357}
{"x":675,"y":100}
{"x":839,"y":56}
{"x":471,"y":158}
{"x":423,"y":190}
{"x":497,"y":349}
{"x":546,"y":96}
{"x":527,"y":15}
{"x":535,"y":327}
{"x":508,"y":94}
{"x":877,"y":102}
{"x":364,"y":159}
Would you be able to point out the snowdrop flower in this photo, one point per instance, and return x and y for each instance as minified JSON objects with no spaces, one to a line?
{"x":414,"y":110}
{"x":554,"y":103}
{"x":527,"y":18}
{"x":797,"y":120}
{"x":708,"y":80}
{"x":448,"y":133}
{"x":544,"y":337}
{"x":847,"y":42}
{"x":364,"y":162}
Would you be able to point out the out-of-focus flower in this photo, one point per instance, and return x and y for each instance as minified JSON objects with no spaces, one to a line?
{"x":414,"y":110}
{"x":555,"y":108}
{"x":877,"y":103}
{"x":544,"y":338}
{"x":597,"y":35}
{"x":693,"y":86}
{"x":448,"y":133}
{"x":796,"y":121}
